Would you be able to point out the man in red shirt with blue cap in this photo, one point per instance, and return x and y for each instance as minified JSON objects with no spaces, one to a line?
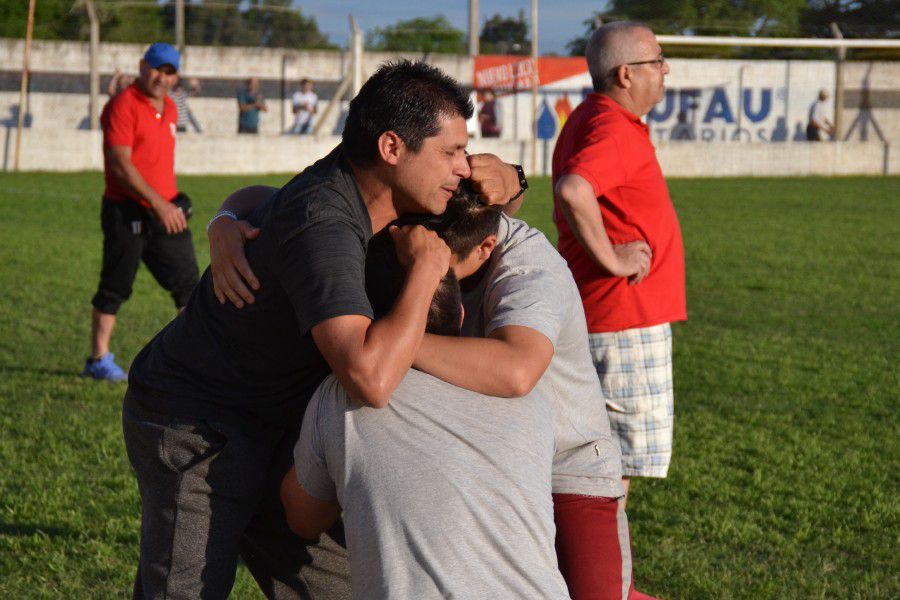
{"x":143,"y":215}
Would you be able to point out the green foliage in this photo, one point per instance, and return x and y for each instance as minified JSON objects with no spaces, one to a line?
{"x":421,"y":34}
{"x":52,"y":19}
{"x":857,"y":18}
{"x":268,"y":23}
{"x":754,"y":18}
{"x":784,"y":478}
{"x":250,"y":24}
{"x":505,"y":35}
{"x":714,"y":17}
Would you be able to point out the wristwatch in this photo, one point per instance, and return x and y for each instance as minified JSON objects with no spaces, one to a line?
{"x":523,"y":182}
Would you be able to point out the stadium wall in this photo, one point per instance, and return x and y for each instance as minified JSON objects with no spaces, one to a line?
{"x":57,"y":137}
{"x":59,"y":83}
{"x":73,"y":150}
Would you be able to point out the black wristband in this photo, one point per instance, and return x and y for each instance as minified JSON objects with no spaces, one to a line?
{"x":523,"y":182}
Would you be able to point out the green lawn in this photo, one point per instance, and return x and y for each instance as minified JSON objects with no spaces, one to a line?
{"x":785,"y":477}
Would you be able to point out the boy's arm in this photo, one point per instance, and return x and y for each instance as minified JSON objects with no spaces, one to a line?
{"x":231,"y":273}
{"x":233,"y":280}
{"x":307,"y":516}
{"x":508,"y":363}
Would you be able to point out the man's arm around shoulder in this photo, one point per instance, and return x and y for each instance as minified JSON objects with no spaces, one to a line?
{"x":370,"y":358}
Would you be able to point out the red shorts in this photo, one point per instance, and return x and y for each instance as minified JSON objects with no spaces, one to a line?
{"x":593,"y":546}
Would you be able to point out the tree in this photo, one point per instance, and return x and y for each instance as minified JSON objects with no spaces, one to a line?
{"x":422,"y":34}
{"x":746,"y":18}
{"x":505,"y":35}
{"x":228,"y":23}
{"x":714,"y":17}
{"x":857,"y":18}
{"x":48,"y":18}
{"x":268,"y":23}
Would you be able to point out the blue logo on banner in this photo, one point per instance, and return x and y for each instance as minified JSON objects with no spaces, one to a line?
{"x":546,"y":123}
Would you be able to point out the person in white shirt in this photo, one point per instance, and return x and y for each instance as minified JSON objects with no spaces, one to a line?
{"x":818,"y":122}
{"x":304,"y":105}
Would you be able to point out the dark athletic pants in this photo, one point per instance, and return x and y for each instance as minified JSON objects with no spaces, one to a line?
{"x":210,"y":493}
{"x":593,"y":547}
{"x":131,"y":236}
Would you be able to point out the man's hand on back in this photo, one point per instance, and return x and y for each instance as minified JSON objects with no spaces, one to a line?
{"x":231,"y":273}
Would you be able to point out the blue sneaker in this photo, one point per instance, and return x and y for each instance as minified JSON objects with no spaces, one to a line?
{"x":104,"y":368}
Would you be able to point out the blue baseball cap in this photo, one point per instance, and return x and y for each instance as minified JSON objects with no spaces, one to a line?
{"x":160,"y":54}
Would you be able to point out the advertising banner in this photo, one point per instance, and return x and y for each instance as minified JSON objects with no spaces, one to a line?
{"x":706,"y":100}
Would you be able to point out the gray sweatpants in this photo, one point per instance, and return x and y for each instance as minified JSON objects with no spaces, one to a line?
{"x":210,"y":493}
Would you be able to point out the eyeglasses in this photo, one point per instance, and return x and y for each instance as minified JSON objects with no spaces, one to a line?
{"x":659,"y":62}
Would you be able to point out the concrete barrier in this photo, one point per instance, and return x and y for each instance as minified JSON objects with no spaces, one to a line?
{"x":73,"y":150}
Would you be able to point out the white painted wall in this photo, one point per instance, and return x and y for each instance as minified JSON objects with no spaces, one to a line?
{"x":54,"y":143}
{"x":72,"y":150}
{"x":790,"y":88}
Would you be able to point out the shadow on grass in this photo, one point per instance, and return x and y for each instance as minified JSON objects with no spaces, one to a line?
{"x":62,"y":532}
{"x":30,"y":529}
{"x":74,"y":373}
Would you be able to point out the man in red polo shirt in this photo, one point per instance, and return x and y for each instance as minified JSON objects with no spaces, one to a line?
{"x":620,"y":235}
{"x":143,"y":216}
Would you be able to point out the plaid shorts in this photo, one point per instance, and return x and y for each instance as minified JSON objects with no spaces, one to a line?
{"x":635,"y":369}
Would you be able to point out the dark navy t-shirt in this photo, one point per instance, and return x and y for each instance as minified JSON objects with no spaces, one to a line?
{"x":260,"y":363}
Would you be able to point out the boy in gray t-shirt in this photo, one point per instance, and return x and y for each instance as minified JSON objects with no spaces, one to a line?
{"x":525,"y":316}
{"x":445,"y":492}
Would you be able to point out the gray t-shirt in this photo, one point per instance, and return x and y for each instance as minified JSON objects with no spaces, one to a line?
{"x":529,"y":284}
{"x":446,"y":492}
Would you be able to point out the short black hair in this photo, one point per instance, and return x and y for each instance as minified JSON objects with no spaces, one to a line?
{"x":466,"y":222}
{"x":384,"y":280}
{"x":408,"y":98}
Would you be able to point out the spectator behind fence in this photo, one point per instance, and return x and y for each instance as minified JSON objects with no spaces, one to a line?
{"x":304,"y":103}
{"x":818,"y":122}
{"x":118,"y":82}
{"x":143,"y":216}
{"x":180,"y":96}
{"x":489,"y":116}
{"x":250,"y":103}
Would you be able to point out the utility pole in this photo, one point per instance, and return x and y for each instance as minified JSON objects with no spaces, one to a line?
{"x":94,"y":101}
{"x":357,"y":45}
{"x":473,"y":28}
{"x":179,"y":26}
{"x":29,"y":28}
{"x":534,"y":84}
{"x":840,"y":57}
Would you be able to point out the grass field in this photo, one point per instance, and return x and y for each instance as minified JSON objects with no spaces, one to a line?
{"x":785,"y":477}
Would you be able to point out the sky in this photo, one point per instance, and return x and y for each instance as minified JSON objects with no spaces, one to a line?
{"x":558,"y":20}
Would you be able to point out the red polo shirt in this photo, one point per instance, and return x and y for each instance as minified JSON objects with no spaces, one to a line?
{"x":610,"y":148}
{"x":130,"y":120}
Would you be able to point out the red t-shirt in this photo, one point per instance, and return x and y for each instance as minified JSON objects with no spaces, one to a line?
{"x":130,"y":119}
{"x":610,"y":148}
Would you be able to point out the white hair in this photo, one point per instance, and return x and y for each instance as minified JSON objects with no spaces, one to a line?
{"x":608,"y":48}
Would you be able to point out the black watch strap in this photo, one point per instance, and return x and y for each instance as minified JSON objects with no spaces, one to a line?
{"x":523,"y":182}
